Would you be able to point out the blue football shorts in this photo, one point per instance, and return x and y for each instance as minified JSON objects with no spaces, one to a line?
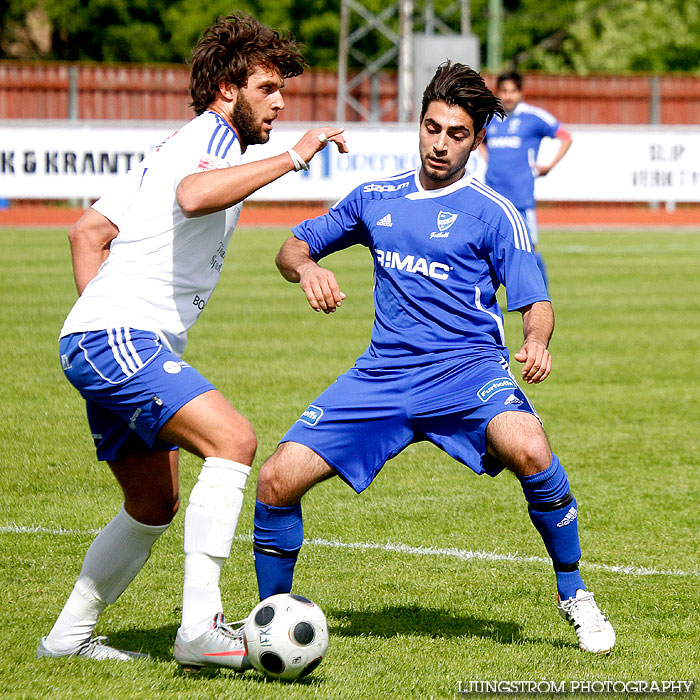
{"x":368,"y":416}
{"x":132,"y":386}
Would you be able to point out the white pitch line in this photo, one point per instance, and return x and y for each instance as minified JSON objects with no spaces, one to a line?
{"x":13,"y":528}
{"x":450,"y":552}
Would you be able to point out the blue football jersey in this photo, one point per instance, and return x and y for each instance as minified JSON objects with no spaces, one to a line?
{"x":513,"y":143}
{"x":439,"y":257}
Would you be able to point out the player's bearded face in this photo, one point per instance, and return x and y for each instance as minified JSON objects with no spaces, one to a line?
{"x":257,"y":105}
{"x":446,"y":140}
{"x":248,"y":125}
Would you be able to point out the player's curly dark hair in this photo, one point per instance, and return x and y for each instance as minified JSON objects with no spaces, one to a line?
{"x":457,"y":84}
{"x":231,"y":49}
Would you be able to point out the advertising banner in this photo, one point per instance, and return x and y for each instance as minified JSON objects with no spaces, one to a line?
{"x":60,"y":160}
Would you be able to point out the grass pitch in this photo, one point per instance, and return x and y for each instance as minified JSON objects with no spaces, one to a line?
{"x":431,"y":578}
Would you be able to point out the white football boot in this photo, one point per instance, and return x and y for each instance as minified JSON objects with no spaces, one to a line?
{"x":95,"y":648}
{"x":220,"y":645}
{"x":594,"y":632}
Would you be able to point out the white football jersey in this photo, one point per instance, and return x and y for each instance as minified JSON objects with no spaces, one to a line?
{"x":162,"y":268}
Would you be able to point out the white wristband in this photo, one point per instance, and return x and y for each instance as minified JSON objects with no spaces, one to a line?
{"x":299,"y":162}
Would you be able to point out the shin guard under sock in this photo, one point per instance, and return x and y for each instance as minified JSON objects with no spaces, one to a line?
{"x":553,"y":512}
{"x":277,"y":538}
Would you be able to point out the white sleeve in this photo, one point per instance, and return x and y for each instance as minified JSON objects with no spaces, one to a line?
{"x":115,"y":203}
{"x":206,"y":149}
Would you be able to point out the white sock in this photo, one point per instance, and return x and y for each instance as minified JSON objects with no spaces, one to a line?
{"x":210,"y":523}
{"x":112,"y":561}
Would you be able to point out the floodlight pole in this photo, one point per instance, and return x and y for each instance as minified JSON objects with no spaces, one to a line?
{"x":405,"y":111}
{"x":494,"y":45}
{"x":402,"y":47}
{"x":342,"y":98}
{"x":465,"y":18}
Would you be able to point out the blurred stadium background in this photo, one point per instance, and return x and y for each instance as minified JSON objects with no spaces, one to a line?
{"x":72,"y":78}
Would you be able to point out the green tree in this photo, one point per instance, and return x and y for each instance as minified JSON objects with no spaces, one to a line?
{"x":581,"y":36}
{"x":618,"y":36}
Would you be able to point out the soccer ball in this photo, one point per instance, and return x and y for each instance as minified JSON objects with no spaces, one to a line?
{"x":286,"y":636}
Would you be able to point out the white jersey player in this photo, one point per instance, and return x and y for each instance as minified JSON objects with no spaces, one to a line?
{"x":146,"y":259}
{"x":162,"y":266}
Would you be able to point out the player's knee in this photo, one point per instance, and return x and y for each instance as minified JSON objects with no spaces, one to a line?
{"x":153,"y":509}
{"x":241,"y":441}
{"x":272,"y":488}
{"x":247,"y":444}
{"x":269,"y":487}
{"x":531,"y":457}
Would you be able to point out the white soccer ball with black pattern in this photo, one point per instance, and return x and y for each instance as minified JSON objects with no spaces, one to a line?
{"x":286,"y":636}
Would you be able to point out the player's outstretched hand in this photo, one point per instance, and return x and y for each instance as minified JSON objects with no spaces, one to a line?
{"x":316,"y":140}
{"x":321,"y":288}
{"x":537,"y":362}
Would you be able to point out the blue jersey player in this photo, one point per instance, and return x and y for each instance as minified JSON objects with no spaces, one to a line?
{"x":511,"y":147}
{"x":437,"y":366}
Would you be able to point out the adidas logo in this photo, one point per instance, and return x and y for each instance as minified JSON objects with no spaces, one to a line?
{"x":512,"y":399}
{"x":568,"y":518}
{"x":385,"y":221}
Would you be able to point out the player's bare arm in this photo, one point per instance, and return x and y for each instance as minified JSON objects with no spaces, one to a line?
{"x":564,"y":145}
{"x":295,"y":264}
{"x":214,"y":190}
{"x":90,"y":238}
{"x":538,"y":325}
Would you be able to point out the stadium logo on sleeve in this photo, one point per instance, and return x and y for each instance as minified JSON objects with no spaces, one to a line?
{"x":494,"y":386}
{"x":311,"y":415}
{"x":374,"y":187}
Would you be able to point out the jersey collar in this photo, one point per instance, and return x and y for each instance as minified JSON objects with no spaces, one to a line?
{"x":223,"y":122}
{"x":422,"y":193}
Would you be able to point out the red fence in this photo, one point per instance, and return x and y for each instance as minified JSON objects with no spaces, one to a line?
{"x":59,"y":91}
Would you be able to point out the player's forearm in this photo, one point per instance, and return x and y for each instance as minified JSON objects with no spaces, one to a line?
{"x":86,"y":265}
{"x":90,"y":238}
{"x":215,"y":190}
{"x":293,"y":256}
{"x":538,"y":323}
{"x":564,"y":145}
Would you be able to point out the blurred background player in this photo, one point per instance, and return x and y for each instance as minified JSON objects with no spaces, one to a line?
{"x":511,"y":146}
{"x":146,"y":259}
{"x":437,"y":366}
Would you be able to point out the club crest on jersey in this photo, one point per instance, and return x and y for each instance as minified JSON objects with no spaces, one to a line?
{"x":494,"y":386}
{"x":311,"y":415}
{"x":444,"y":221}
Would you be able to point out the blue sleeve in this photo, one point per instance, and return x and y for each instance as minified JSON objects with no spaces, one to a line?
{"x":548,"y":128}
{"x":340,"y":228}
{"x":514,"y":262}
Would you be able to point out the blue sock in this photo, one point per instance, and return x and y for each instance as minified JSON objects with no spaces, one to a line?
{"x":552,"y":510}
{"x":278,"y":534}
